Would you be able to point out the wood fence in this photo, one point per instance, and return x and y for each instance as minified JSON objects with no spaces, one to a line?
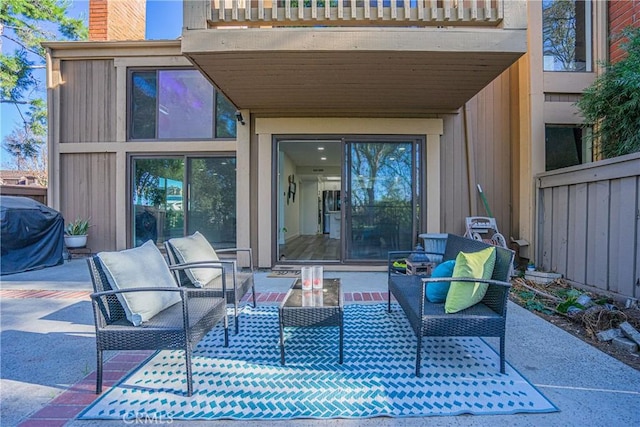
{"x":38,"y":194}
{"x":589,"y":224}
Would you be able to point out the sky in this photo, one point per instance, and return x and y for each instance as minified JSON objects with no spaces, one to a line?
{"x":164,"y":21}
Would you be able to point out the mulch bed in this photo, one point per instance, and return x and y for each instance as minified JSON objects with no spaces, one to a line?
{"x":547,"y":302}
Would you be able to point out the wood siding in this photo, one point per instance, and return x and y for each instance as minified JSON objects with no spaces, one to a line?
{"x":87,"y":189}
{"x":588,"y":224}
{"x":486,"y":161}
{"x":88,"y":101}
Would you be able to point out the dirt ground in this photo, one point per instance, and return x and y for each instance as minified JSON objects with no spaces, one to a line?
{"x":550,"y":302}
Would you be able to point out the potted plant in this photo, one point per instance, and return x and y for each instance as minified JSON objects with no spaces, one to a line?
{"x":75,"y":233}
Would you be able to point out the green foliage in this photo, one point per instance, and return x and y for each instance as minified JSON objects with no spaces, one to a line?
{"x":569,"y":293}
{"x":27,"y":23}
{"x":79,"y":227}
{"x":531,"y":302}
{"x":612,"y":102}
{"x":564,"y":306}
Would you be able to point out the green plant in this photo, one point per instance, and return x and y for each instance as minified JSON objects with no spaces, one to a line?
{"x":79,"y":227}
{"x":564,"y":306}
{"x":530,"y":302}
{"x":612,"y":103}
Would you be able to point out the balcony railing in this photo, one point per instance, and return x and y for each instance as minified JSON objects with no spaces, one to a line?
{"x":350,"y":13}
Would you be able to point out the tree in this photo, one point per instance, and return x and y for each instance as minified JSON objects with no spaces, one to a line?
{"x":26,"y":24}
{"x":559,"y":31}
{"x":612,"y":103}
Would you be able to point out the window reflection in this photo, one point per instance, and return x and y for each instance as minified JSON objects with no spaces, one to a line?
{"x":566,"y":29}
{"x":177,"y":104}
{"x":381,"y":198}
{"x":163,"y":208}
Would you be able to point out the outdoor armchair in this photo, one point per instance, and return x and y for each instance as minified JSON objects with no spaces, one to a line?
{"x":203,"y":270}
{"x":178,"y":325}
{"x":427,"y":319}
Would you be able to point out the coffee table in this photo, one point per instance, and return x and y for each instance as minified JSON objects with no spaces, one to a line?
{"x":306,"y":309}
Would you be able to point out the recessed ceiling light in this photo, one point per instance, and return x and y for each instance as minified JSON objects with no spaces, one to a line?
{"x":402,"y":148}
{"x":320,"y":148}
{"x":323,"y":158}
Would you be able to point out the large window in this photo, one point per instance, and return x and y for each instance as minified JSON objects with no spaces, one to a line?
{"x":566,"y":146}
{"x":177,"y":104}
{"x":566,"y":29}
{"x":174,"y":196}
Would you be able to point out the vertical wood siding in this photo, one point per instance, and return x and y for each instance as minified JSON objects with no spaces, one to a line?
{"x":87,"y":184}
{"x":488,"y":117}
{"x":589,"y":224}
{"x":88,"y":101}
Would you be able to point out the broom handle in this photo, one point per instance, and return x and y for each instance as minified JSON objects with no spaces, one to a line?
{"x":484,"y":201}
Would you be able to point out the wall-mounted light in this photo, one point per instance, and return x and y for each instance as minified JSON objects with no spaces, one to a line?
{"x":239,"y":117}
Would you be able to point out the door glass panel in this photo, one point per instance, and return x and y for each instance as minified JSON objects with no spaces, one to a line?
{"x":157,"y":199}
{"x":163,"y":193}
{"x":380,"y":201}
{"x":212,"y":199}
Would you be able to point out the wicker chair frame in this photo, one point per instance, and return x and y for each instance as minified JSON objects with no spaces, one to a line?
{"x":236,"y":282}
{"x":178,"y":327}
{"x":485,"y":319}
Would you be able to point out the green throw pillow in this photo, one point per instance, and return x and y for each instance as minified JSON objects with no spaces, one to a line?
{"x":478,"y":265}
{"x":437,"y":291}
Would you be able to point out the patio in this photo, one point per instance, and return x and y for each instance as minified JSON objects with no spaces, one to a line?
{"x":47,"y":312}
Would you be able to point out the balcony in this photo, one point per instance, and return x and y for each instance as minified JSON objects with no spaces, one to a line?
{"x":349,"y":13}
{"x":381,"y":57}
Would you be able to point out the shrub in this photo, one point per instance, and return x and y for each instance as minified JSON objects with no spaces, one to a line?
{"x":612,"y":103}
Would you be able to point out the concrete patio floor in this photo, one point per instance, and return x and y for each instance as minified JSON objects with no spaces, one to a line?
{"x":48,"y":358}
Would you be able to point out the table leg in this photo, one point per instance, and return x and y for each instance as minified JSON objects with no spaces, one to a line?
{"x":341,"y":338}
{"x":281,"y":342}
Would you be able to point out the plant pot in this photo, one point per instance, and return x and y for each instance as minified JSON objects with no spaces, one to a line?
{"x":541,"y":277}
{"x":75,"y":241}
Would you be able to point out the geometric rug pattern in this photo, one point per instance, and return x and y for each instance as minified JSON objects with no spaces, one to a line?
{"x":246,"y":380}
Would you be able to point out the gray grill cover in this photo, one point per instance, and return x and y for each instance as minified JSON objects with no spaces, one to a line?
{"x":32,"y":235}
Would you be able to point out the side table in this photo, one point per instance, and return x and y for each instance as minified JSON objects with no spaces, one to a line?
{"x":304,"y":309}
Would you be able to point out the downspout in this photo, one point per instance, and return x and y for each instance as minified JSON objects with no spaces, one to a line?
{"x":471,"y":164}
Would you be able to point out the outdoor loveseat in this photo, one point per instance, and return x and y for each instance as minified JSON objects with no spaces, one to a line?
{"x":126,"y":285}
{"x":203,"y":270}
{"x":484,"y":319}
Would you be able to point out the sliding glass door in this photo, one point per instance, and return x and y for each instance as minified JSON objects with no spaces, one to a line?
{"x":178,"y":195}
{"x":382,"y":197}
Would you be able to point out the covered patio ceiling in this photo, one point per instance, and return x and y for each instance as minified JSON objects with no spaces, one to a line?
{"x":337,"y":71}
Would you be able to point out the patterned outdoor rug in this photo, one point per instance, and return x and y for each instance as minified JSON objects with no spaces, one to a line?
{"x":247,"y":381}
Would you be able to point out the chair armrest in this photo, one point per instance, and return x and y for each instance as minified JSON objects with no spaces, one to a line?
{"x":211,"y":265}
{"x":495,"y":297}
{"x":97,"y":300}
{"x":236,"y":250}
{"x":465,"y":279}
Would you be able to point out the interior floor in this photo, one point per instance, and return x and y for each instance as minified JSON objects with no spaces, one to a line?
{"x":318,"y":247}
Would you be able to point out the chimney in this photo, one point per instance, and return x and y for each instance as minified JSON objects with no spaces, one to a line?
{"x":117,"y":19}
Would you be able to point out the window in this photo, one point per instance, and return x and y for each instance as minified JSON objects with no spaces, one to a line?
{"x":174,"y":196}
{"x":566,"y":146}
{"x":566,"y":32}
{"x":172,"y":104}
